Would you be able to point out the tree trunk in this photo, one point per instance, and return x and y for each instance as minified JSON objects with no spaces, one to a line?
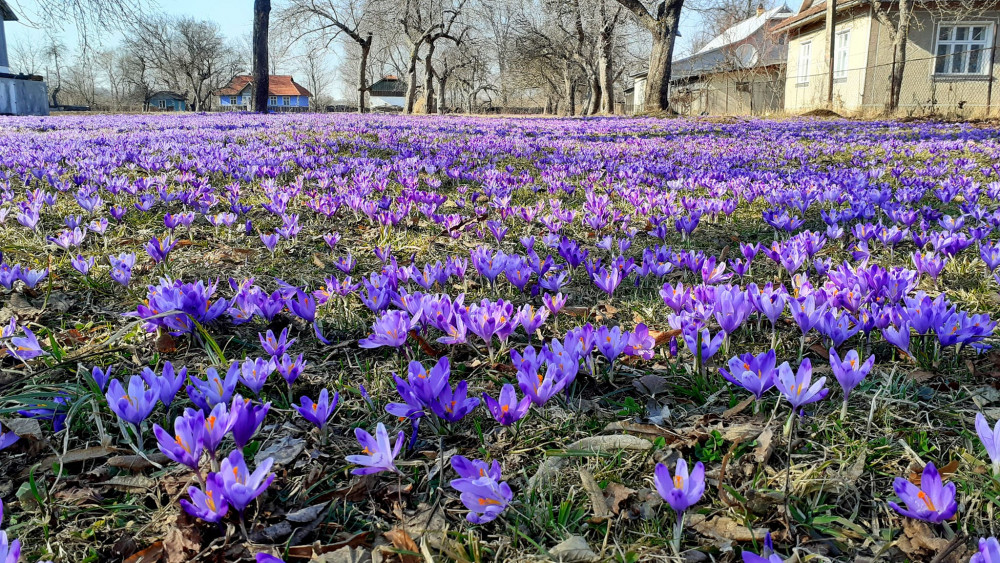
{"x":899,"y":56}
{"x":664,"y":37}
{"x":442,"y":82}
{"x":606,"y":77}
{"x":594,"y":103}
{"x":411,"y":79}
{"x":366,"y":47}
{"x":261,"y":18}
{"x":569,"y":91}
{"x":429,"y":102}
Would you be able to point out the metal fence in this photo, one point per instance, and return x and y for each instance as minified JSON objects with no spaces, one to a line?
{"x":960,"y":84}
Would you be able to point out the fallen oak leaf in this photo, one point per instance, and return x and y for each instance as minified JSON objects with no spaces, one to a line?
{"x":945,"y":472}
{"x":406,"y":549}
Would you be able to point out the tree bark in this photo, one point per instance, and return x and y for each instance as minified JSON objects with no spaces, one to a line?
{"x":442,"y":83}
{"x":261,"y":19}
{"x":899,"y":56}
{"x":606,"y":77}
{"x":569,"y":90}
{"x":594,"y":105}
{"x":366,"y":47}
{"x":411,"y":79}
{"x":663,"y":29}
{"x":429,"y":101}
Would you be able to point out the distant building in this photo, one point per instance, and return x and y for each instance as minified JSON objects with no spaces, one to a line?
{"x":165,"y":100}
{"x":739,"y":72}
{"x":388,"y":93}
{"x":20,"y":94}
{"x":284,"y":94}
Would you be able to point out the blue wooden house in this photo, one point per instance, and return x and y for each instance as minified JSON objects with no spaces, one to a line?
{"x":284,"y":94}
{"x":165,"y":100}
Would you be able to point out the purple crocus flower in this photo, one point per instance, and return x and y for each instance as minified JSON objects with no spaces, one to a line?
{"x":318,"y":412}
{"x":32,"y":277}
{"x":798,"y":387}
{"x":267,"y":558}
{"x":54,"y":410}
{"x":899,"y":338}
{"x":554,"y":303}
{"x":849,"y":371}
{"x":159,"y":249}
{"x":81,"y":264}
{"x":275,"y":347}
{"x":9,"y":552}
{"x":304,"y":305}
{"x":391,"y":329}
{"x":732,"y":308}
{"x":121,"y":267}
{"x":681,"y":490}
{"x":640,"y":343}
{"x":209,"y":505}
{"x":990,"y":439}
{"x":169,"y":382}
{"x":611,"y":342}
{"x":931,"y":501}
{"x":246,"y":417}
{"x":709,"y":345}
{"x":7,"y":439}
{"x":767,"y":555}
{"x":454,"y":405}
{"x":135,"y":405}
{"x":484,"y":497}
{"x":254,"y":373}
{"x":378,"y":454}
{"x":186,"y":445}
{"x":215,"y":389}
{"x":241,"y":486}
{"x":101,"y":377}
{"x":218,"y":422}
{"x":507,"y":410}
{"x":25,"y":347}
{"x":989,"y":551}
{"x":270,"y":241}
{"x":291,"y":368}
{"x":753,"y":373}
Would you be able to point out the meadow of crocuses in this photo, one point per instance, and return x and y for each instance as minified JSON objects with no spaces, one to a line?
{"x":388,"y":338}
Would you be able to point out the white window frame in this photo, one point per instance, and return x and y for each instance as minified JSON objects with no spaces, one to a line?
{"x":841,"y":53}
{"x":286,"y":100}
{"x":802,"y":70}
{"x":162,"y":104}
{"x":985,"y":48}
{"x":272,"y":100}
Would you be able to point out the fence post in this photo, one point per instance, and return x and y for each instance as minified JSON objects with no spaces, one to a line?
{"x":989,"y":86}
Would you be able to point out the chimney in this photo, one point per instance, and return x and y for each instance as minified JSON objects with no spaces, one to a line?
{"x":760,"y":9}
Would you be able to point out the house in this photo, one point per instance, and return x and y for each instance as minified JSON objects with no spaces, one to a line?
{"x":20,"y":94}
{"x":284,"y":94}
{"x":741,"y":71}
{"x":950,"y":64}
{"x":635,"y":95}
{"x":389,"y":93}
{"x":165,"y":100}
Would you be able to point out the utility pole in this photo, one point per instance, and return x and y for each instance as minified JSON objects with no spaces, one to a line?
{"x":831,"y":29}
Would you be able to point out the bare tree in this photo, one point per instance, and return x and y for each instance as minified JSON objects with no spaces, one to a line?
{"x":426,"y":22}
{"x":89,"y":16}
{"x":54,"y":53}
{"x":27,"y":57}
{"x":317,"y":75}
{"x":329,"y":19}
{"x":662,"y":26}
{"x":261,"y":79}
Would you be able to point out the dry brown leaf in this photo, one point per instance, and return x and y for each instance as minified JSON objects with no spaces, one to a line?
{"x":404,"y":543}
{"x":151,"y":554}
{"x":595,"y":493}
{"x":308,"y":551}
{"x":739,"y":408}
{"x":319,"y":263}
{"x":79,"y":496}
{"x":661,"y":337}
{"x":357,"y":491}
{"x":165,"y":343}
{"x":650,"y":384}
{"x":724,"y":527}
{"x":945,"y":471}
{"x":183,"y":540}
{"x":131,"y":482}
{"x":920,"y":543}
{"x":576,"y":311}
{"x":764,"y":446}
{"x":919,"y":375}
{"x":615,"y":494}
{"x":83,"y":454}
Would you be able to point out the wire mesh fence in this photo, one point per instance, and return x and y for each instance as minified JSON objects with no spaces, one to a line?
{"x":958,"y":83}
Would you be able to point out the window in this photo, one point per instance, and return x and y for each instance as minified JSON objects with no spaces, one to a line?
{"x":803,"y":69}
{"x":962,"y":48}
{"x":272,"y":100}
{"x":285,"y":101}
{"x":162,"y":104}
{"x":843,"y":40}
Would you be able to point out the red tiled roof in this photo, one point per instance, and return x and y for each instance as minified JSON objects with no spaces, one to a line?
{"x":278,"y":85}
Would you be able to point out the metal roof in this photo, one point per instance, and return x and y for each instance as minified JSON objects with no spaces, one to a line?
{"x":6,"y":12}
{"x":744,"y":29}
